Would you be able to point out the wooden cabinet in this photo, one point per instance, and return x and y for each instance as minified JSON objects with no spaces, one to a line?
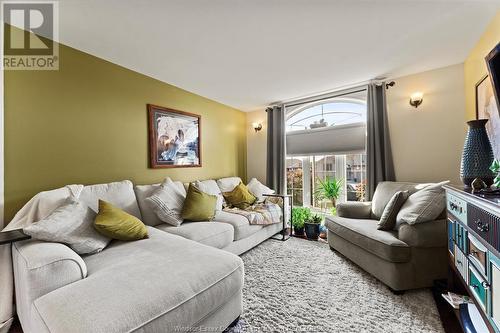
{"x":474,"y":244}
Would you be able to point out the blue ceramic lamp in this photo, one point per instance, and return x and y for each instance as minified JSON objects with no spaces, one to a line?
{"x":477,"y":155}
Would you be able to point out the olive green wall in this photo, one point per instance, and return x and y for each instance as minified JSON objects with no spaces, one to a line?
{"x":87,"y":123}
{"x":475,"y":65}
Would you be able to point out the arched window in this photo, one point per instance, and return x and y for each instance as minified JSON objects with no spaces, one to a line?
{"x":338,"y":111}
{"x":326,"y":139}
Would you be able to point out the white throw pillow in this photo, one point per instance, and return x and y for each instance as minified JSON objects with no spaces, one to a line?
{"x":228,"y":184}
{"x":258,"y":189}
{"x":167,"y":202}
{"x":210,"y":187}
{"x":71,"y":224}
{"x":424,"y":205}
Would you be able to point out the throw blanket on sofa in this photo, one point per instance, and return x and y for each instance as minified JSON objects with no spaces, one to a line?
{"x":262,"y":213}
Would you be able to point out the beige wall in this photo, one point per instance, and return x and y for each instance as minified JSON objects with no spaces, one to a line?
{"x":256,"y":145}
{"x":475,"y":66}
{"x":87,"y":123}
{"x":427,"y":142}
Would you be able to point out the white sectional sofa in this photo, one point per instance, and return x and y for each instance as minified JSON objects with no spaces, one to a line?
{"x":184,"y":278}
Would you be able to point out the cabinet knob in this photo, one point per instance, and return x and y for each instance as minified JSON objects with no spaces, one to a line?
{"x":483,"y":227}
{"x":485,"y":285}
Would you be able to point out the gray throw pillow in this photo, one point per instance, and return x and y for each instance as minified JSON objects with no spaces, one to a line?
{"x":424,"y":205}
{"x":71,"y":224}
{"x":391,"y":210}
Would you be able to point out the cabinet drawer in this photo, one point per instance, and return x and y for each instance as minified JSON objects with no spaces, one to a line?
{"x":478,"y":286}
{"x":457,"y":207}
{"x":451,"y":235}
{"x":461,"y":237}
{"x":485,"y":224}
{"x":477,"y":254}
{"x":494,"y":275}
{"x":461,"y":263}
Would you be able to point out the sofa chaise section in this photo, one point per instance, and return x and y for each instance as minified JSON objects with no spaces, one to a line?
{"x":161,"y":284}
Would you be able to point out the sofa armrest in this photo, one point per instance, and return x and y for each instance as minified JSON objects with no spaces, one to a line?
{"x":42,"y":267}
{"x":426,"y":234}
{"x":354,"y":209}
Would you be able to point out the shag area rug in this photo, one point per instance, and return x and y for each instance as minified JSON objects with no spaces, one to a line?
{"x":302,"y":286}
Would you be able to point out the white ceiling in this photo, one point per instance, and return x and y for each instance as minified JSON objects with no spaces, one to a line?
{"x":249,"y":53}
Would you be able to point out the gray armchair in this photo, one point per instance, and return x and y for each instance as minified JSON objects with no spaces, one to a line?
{"x":413,"y":256}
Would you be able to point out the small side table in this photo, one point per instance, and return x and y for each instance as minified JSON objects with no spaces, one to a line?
{"x":12,"y":236}
{"x":283,"y":232}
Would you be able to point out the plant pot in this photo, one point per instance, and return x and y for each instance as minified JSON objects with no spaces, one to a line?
{"x":477,"y":155}
{"x":298,"y":231}
{"x":312,"y":231}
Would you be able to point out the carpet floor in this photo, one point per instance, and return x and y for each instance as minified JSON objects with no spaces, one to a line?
{"x":302,"y":286}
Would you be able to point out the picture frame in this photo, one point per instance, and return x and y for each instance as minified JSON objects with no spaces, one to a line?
{"x":487,"y":108}
{"x":174,"y":138}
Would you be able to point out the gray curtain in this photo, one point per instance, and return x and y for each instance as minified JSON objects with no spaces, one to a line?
{"x":276,"y":152}
{"x":379,"y":164}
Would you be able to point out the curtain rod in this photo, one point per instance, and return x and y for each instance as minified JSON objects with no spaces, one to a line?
{"x":333,"y":95}
{"x":338,"y":93}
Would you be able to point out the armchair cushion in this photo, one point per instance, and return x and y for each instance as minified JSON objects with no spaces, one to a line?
{"x":385,"y":191}
{"x":427,"y":234}
{"x":364,"y":233}
{"x":354,"y":209}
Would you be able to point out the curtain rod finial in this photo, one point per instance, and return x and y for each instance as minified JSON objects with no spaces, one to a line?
{"x":390,"y":84}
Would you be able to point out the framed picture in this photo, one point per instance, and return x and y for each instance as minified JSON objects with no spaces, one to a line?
{"x":174,"y":138}
{"x":486,"y":108}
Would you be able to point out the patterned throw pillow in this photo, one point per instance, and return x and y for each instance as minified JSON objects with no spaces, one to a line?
{"x":391,"y":210}
{"x":70,"y":224}
{"x":167,"y":202}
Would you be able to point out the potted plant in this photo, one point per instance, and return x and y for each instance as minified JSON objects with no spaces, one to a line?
{"x":495,"y":167}
{"x":312,"y":227}
{"x":330,"y":189}
{"x":299,"y":216}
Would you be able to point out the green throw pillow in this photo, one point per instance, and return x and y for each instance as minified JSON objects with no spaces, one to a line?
{"x":114,"y":223}
{"x":240,"y":197}
{"x":198,"y":205}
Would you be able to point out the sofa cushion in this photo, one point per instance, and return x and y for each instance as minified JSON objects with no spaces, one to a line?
{"x":131,"y":284}
{"x":385,"y":191}
{"x":364,"y":233}
{"x":228,"y":184}
{"x":121,"y":194}
{"x":426,"y":234}
{"x":258,"y":189}
{"x":242,"y":228}
{"x":143,"y":192}
{"x":214,"y":234}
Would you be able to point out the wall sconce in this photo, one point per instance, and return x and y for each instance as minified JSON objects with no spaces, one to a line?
{"x":416,"y":99}
{"x":257,"y":127}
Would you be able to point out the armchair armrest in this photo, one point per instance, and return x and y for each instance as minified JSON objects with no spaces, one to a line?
{"x":354,"y":209}
{"x":42,"y":267}
{"x":426,"y":234}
